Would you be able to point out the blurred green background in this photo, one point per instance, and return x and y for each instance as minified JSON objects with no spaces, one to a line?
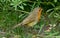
{"x":13,"y":12}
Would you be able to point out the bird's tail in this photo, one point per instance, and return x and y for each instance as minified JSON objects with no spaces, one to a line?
{"x":16,"y":26}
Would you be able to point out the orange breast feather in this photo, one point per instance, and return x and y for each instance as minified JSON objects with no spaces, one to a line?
{"x":39,"y":13}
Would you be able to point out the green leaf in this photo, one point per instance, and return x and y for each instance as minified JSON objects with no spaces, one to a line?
{"x":49,"y":10}
{"x":21,"y":7}
{"x":55,"y":0}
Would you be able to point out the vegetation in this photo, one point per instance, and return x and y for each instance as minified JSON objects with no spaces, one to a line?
{"x":13,"y":12}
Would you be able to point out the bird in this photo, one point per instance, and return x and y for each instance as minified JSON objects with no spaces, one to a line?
{"x":32,"y":19}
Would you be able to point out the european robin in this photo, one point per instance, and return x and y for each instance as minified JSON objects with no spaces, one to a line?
{"x":32,"y":19}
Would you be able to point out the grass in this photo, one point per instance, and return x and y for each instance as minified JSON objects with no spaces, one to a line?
{"x":13,"y":12}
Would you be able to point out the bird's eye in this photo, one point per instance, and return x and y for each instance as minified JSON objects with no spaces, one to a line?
{"x":39,"y":9}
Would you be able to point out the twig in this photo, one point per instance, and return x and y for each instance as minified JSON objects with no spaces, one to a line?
{"x":22,"y":11}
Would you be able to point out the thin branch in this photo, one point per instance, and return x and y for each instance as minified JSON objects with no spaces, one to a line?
{"x":22,"y":11}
